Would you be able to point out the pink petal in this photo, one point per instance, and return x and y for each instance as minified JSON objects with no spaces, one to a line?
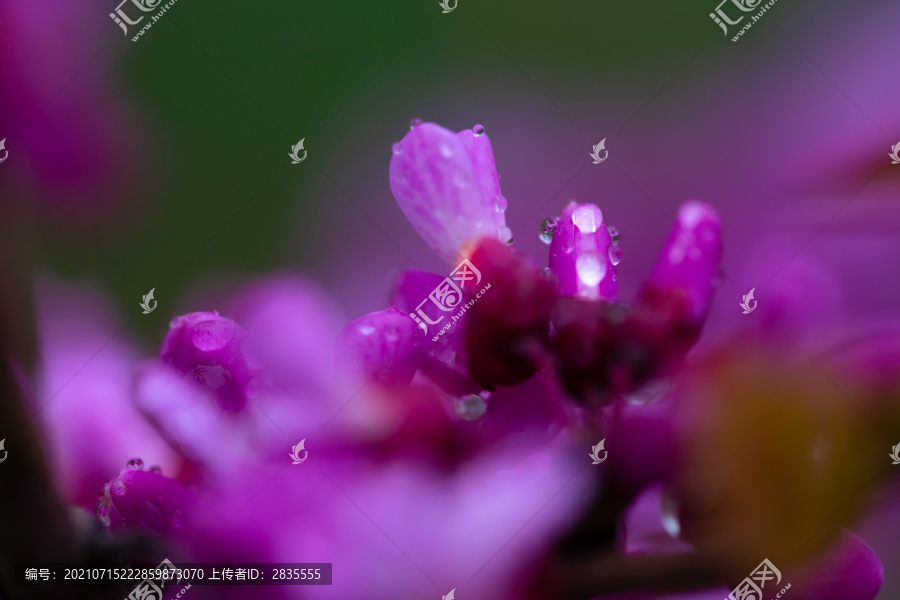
{"x":447,"y":186}
{"x":188,"y":418}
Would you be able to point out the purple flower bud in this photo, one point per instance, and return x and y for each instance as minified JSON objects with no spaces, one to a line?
{"x":607,"y":349}
{"x":380,"y":346}
{"x":447,"y":186}
{"x":144,"y":501}
{"x":582,"y":255}
{"x":209,"y":350}
{"x":689,"y":260}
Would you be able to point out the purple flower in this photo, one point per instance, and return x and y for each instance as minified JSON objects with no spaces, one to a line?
{"x":609,"y":349}
{"x":447,"y":186}
{"x":441,"y":438}
{"x":209,"y":350}
{"x":67,"y":128}
{"x":83,"y":393}
{"x":322,"y":509}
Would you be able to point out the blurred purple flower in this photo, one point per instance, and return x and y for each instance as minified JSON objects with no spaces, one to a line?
{"x":64,"y":122}
{"x":144,"y":500}
{"x":336,"y":489}
{"x":209,"y":350}
{"x":84,"y":393}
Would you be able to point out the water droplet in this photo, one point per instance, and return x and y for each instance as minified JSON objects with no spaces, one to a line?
{"x":505,"y":233}
{"x":669,"y":514}
{"x":396,"y":148}
{"x":478,"y":130}
{"x":135,"y":464}
{"x":470,"y":408}
{"x":415,"y":123}
{"x":156,"y":469}
{"x":546,"y":272}
{"x":103,"y":512}
{"x":118,"y":487}
{"x":510,"y":241}
{"x":548,"y":228}
{"x":614,"y":234}
{"x":615,"y":255}
{"x":501,"y":203}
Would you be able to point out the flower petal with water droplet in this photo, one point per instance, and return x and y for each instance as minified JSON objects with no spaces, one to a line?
{"x":579,"y":254}
{"x":447,"y":186}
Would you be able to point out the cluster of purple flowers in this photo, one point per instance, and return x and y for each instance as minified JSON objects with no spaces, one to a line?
{"x":460,"y":461}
